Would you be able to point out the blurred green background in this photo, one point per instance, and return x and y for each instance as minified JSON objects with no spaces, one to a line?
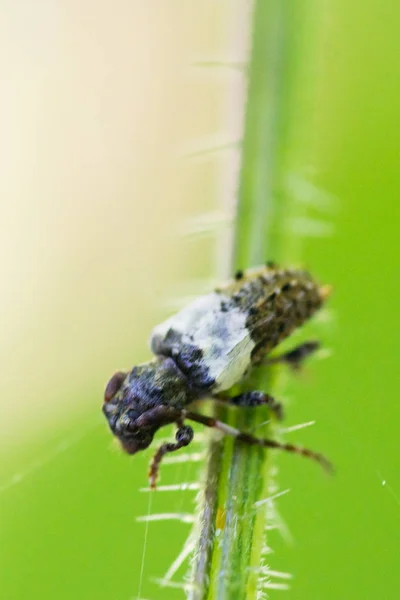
{"x":99,"y":103}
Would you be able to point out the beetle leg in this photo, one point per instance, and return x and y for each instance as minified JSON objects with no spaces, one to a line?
{"x":158,"y":416}
{"x":183,"y":437}
{"x":254,"y":398}
{"x":247,"y":438}
{"x":294,"y":358}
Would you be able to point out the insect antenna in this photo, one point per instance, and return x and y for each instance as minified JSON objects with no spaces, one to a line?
{"x":247,"y":438}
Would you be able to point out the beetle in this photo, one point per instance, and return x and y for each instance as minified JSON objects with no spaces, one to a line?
{"x":207,"y":348}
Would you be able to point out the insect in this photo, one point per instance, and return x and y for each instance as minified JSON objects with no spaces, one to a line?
{"x":207,"y":348}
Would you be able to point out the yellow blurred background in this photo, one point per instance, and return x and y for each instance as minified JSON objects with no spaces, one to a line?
{"x":101,"y":102}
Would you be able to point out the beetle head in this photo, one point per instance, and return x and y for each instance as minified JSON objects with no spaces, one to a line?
{"x":122,"y":409}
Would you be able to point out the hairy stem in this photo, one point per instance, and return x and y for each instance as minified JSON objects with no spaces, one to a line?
{"x":228,"y":561}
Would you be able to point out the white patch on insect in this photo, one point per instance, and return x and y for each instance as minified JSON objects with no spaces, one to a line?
{"x":221,"y":335}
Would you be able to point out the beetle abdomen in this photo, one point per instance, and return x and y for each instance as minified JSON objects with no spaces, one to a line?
{"x":276,"y":302}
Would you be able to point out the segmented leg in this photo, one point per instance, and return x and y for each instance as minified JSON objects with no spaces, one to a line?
{"x":183,"y":437}
{"x":247,"y":438}
{"x":295,"y":358}
{"x":254,"y":398}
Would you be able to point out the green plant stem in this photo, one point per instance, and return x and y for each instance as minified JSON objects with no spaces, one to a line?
{"x":258,"y":212}
{"x":228,"y":557}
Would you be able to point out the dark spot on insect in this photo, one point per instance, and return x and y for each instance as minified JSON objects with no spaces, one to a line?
{"x":239,"y":275}
{"x":224,"y":307}
{"x":310,"y":306}
{"x":286,"y":287}
{"x":270,"y":264}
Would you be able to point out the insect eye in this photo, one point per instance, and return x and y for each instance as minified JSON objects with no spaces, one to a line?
{"x":143,"y":439}
{"x":114,"y":385}
{"x":127,"y":422}
{"x":129,"y":426}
